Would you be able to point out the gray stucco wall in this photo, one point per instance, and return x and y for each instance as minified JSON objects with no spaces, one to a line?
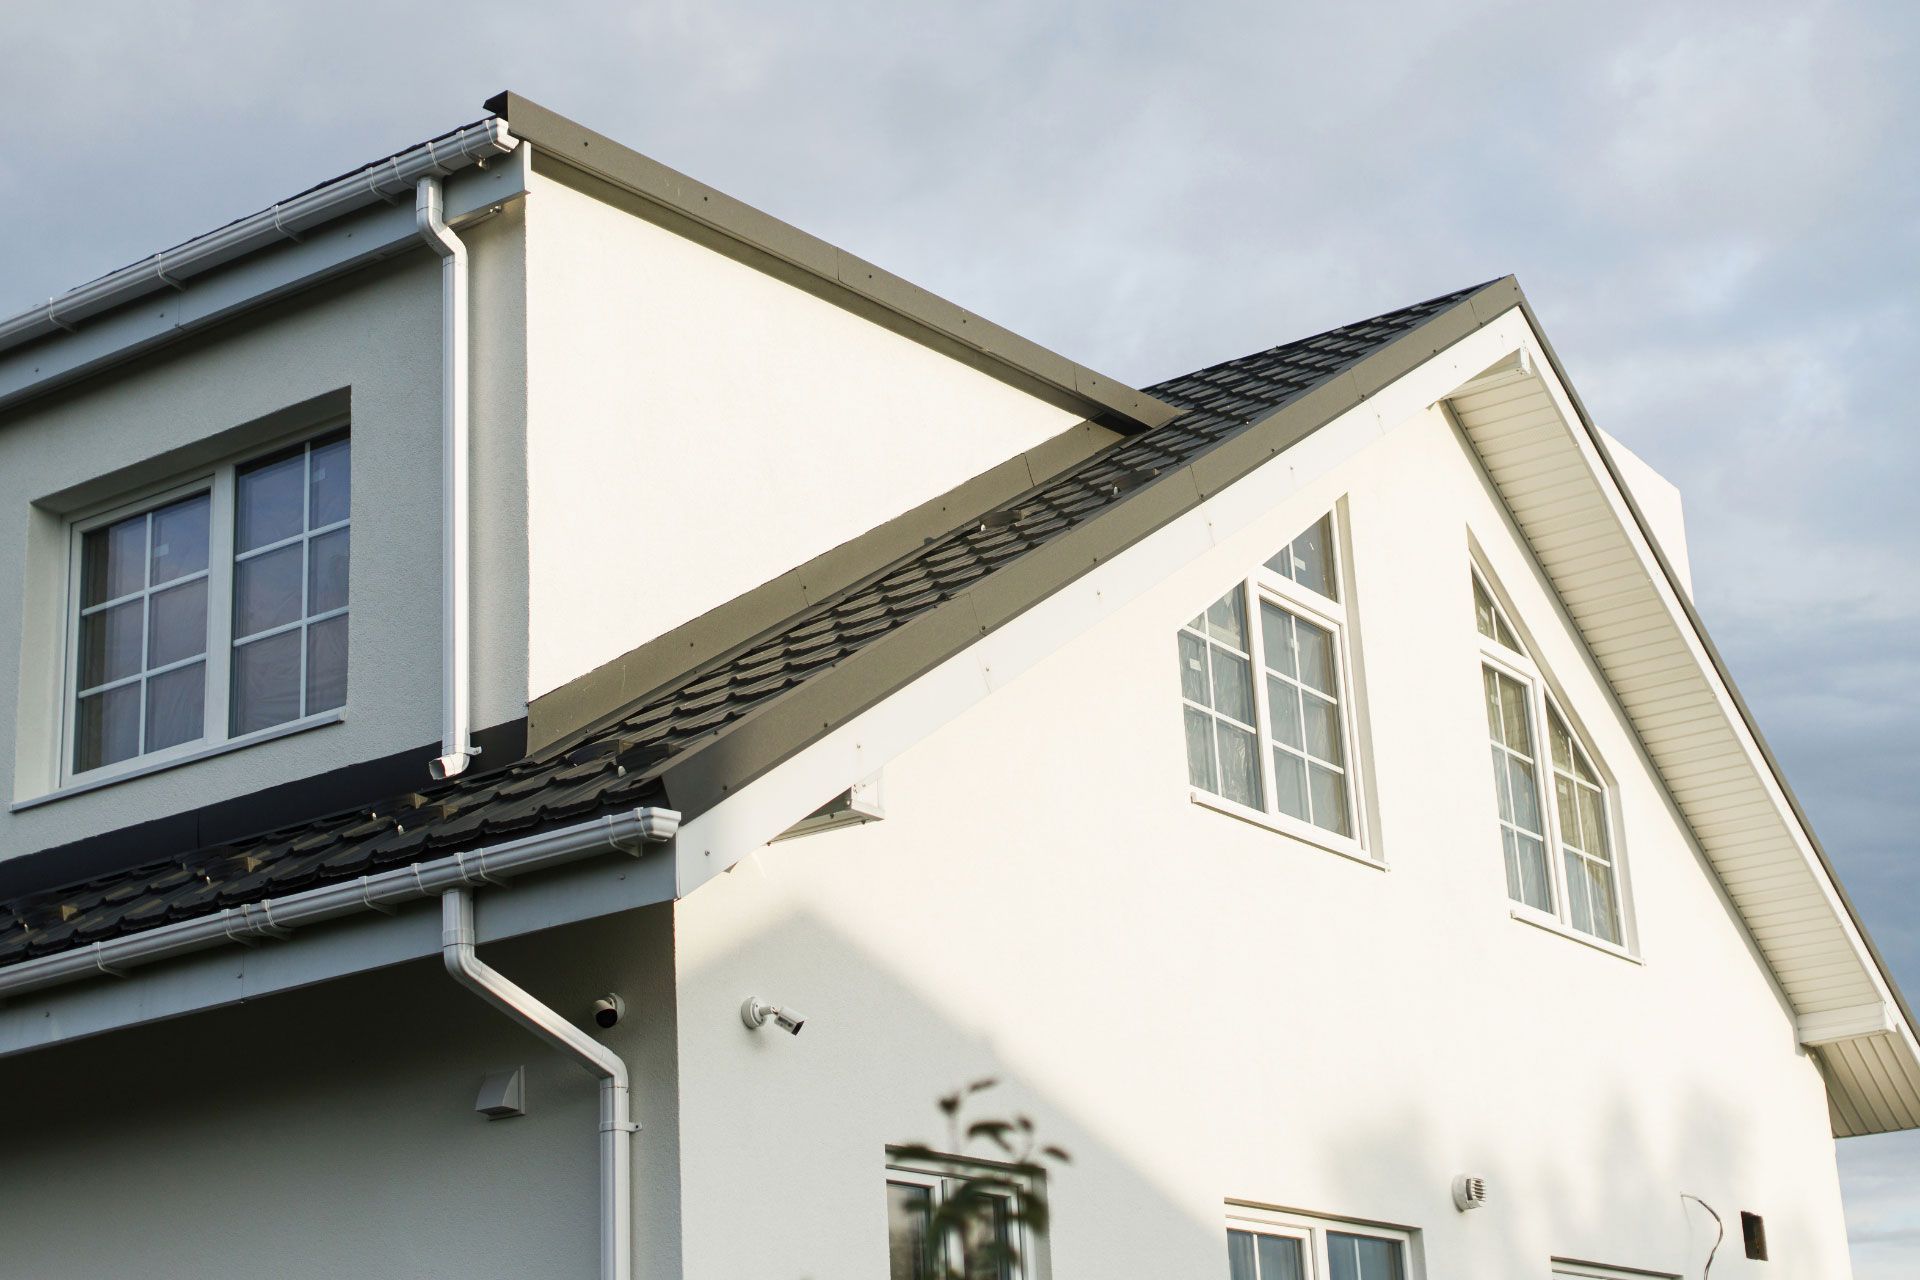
{"x":330,"y":1132}
{"x":371,"y":339}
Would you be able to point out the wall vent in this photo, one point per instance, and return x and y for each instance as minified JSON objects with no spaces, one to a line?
{"x":1469,"y":1192}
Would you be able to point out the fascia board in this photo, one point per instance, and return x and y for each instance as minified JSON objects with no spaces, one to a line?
{"x":229,"y":975}
{"x":569,"y":152}
{"x":322,"y":253}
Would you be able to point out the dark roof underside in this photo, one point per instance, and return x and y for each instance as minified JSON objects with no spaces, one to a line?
{"x":637,"y":755}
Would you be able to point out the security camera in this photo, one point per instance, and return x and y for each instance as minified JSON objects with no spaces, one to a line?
{"x":757,"y":1014}
{"x":608,"y":1009}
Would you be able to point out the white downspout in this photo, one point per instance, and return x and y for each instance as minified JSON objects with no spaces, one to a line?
{"x":456,"y":737}
{"x":616,"y":1122}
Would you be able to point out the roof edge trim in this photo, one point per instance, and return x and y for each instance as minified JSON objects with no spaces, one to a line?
{"x":842,"y":277}
{"x":386,"y":181}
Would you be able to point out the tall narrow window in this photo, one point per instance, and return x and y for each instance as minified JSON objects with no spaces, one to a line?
{"x":1216,"y":679}
{"x":142,"y":670}
{"x":1579,"y":887}
{"x":1280,"y":741}
{"x":210,"y":612}
{"x":290,"y":553}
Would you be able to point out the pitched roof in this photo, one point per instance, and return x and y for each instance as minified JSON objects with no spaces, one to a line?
{"x":706,"y":731}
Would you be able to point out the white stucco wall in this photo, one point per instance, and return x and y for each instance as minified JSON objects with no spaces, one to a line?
{"x":1201,"y":1009}
{"x":698,"y":427}
{"x":374,"y":336}
{"x":331,"y":1132}
{"x":1659,"y":501}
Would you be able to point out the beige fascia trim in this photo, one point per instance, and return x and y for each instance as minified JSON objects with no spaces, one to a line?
{"x":1685,"y":599}
{"x":588,"y":701}
{"x":598,"y":166}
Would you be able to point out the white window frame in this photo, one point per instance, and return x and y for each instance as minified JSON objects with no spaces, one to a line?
{"x":1266,"y":585}
{"x":940,"y":1174}
{"x":1542,"y":698}
{"x":1568,"y":1269}
{"x":218,"y":482}
{"x":1312,"y":1229}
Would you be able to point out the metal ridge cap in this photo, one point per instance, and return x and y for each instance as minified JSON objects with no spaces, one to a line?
{"x":276,"y":917}
{"x":286,"y":220}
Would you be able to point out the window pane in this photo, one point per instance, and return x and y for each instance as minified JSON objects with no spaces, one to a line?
{"x":110,"y":643}
{"x":1569,"y":810}
{"x":1502,"y":793}
{"x":113,"y":561}
{"x":266,"y":682}
{"x":986,"y":1240}
{"x":1526,"y":799}
{"x":327,"y":572}
{"x":1483,"y":611}
{"x":1606,"y":911}
{"x":1239,"y":765}
{"x":1579,"y":912}
{"x":1323,"y":728}
{"x":908,"y":1209}
{"x":1329,"y":796}
{"x":1227,"y":619}
{"x":1283,"y":705}
{"x":332,"y":483}
{"x":1200,"y":750}
{"x":176,"y":706}
{"x":1315,"y":646}
{"x":1593,"y":826}
{"x":1560,"y":741}
{"x":1232,"y":686}
{"x":269,"y":502}
{"x":1492,"y":683}
{"x":1276,"y":638}
{"x":1193,"y":669}
{"x":327,"y":664}
{"x":179,"y":623}
{"x":1281,"y":1258}
{"x":1240,"y":1256}
{"x":1516,"y":732}
{"x":267,"y":590}
{"x":180,"y":539}
{"x":1313,"y":558}
{"x":1289,"y":783}
{"x":1531,"y":859}
{"x":1352,"y":1257}
{"x":108,"y":728}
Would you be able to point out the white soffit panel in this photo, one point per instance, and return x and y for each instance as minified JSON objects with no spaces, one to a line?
{"x":1549,"y":469}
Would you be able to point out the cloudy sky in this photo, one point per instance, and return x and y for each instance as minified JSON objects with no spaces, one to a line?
{"x":1715,"y":209}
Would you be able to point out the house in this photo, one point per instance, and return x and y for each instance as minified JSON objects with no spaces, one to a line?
{"x":497,"y":641}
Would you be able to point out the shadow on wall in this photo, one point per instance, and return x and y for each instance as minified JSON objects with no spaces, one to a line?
{"x":797,"y":1128}
{"x":331,"y":1131}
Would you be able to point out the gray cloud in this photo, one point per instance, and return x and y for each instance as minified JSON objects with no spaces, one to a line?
{"x":1711,"y":206}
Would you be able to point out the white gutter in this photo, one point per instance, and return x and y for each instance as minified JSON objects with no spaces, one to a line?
{"x":278,"y":917}
{"x":456,"y":735}
{"x":386,"y":182}
{"x":616,"y":1119}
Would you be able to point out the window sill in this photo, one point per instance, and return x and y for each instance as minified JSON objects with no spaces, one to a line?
{"x":1549,"y":924}
{"x":199,"y":753}
{"x":1304,"y":833}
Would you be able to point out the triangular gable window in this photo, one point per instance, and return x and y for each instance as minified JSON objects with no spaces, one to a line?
{"x":1308,"y":559}
{"x":1492,"y":622}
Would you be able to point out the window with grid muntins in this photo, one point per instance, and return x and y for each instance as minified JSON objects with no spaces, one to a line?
{"x":1579,"y":888}
{"x":1286,"y":1248}
{"x":1264,"y":693}
{"x":1582,"y":807}
{"x":140,"y":684}
{"x":213,"y":612}
{"x":290,"y":554}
